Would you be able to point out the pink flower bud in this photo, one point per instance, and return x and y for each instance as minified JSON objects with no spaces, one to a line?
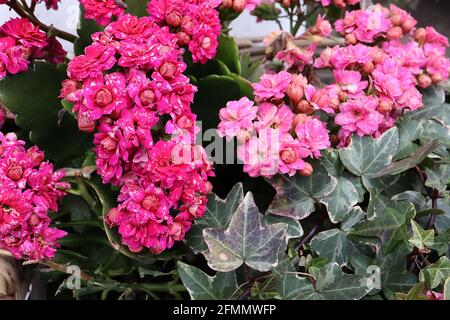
{"x":147,"y":97}
{"x":168,"y":70}
{"x":396,"y":20}
{"x":103,"y":97}
{"x":15,"y":172}
{"x":173,"y":18}
{"x":187,"y":24}
{"x":227,"y":4}
{"x":424,"y":81}
{"x":36,"y":154}
{"x":305,"y":107}
{"x":176,"y":231}
{"x":288,"y":155}
{"x":368,"y":67}
{"x":109,"y":144}
{"x":299,"y":119}
{"x":395,"y":33}
{"x":150,"y":202}
{"x":307,"y":170}
{"x":184,"y":122}
{"x":408,"y":25}
{"x":34,"y":220}
{"x":69,"y":87}
{"x":112,"y":216}
{"x":436,"y":78}
{"x":385,"y":106}
{"x":183,"y":38}
{"x":239,"y":5}
{"x":85,"y":123}
{"x":208,"y":187}
{"x":420,"y":36}
{"x":351,"y":39}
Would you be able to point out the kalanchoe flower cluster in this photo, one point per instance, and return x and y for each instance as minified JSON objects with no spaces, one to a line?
{"x":21,"y":41}
{"x":275,"y":136}
{"x":29,"y":189}
{"x":102,"y":11}
{"x":129,"y":88}
{"x":196,"y":24}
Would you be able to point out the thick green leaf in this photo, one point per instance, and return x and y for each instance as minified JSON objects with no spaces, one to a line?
{"x":222,"y":286}
{"x":366,"y":156}
{"x":435,"y":274}
{"x":341,"y":200}
{"x":228,"y":53}
{"x":245,"y":241}
{"x":296,"y":195}
{"x":33,"y":97}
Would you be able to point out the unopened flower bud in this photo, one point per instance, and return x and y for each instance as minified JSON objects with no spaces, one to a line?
{"x":168,"y":70}
{"x":208,"y":187}
{"x":34,"y":220}
{"x":351,"y":39}
{"x":173,"y":18}
{"x":420,"y":36}
{"x":147,"y":97}
{"x":109,"y":144}
{"x":395,"y":33}
{"x":305,"y":107}
{"x":187,"y":24}
{"x":15,"y":172}
{"x":176,"y":231}
{"x":408,"y":25}
{"x":183,"y":38}
{"x":112,"y":216}
{"x":227,"y":4}
{"x":184,"y":122}
{"x":299,"y":119}
{"x":307,"y":170}
{"x":103,"y":97}
{"x":368,"y":67}
{"x":385,"y":106}
{"x":37,"y":155}
{"x":339,"y":4}
{"x":424,"y":81}
{"x":288,"y":155}
{"x":436,"y":78}
{"x":396,"y":20}
{"x":150,"y":202}
{"x":85,"y":123}
{"x":239,"y":5}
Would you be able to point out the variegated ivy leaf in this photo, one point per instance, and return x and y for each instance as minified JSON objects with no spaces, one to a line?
{"x":244,"y":241}
{"x":294,"y":229}
{"x":332,"y":162}
{"x":421,"y":238}
{"x":447,"y":289}
{"x":366,"y":156}
{"x":418,"y":292}
{"x":296,"y":195}
{"x":438,"y":178}
{"x":436,"y":273}
{"x":333,"y":284}
{"x":387,"y":220}
{"x":433,"y":105}
{"x":341,"y":200}
{"x":441,"y":243}
{"x":334,"y":245}
{"x":217,"y":215}
{"x":409,"y":131}
{"x":222,"y":286}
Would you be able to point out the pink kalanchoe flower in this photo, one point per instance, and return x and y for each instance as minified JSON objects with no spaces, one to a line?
{"x":295,"y":57}
{"x":24,"y":32}
{"x":321,"y":99}
{"x":272,"y":116}
{"x":272,"y":86}
{"x":102,"y":11}
{"x":260,"y":154}
{"x":291,"y":155}
{"x":96,"y":58}
{"x":322,"y":27}
{"x":350,"y":82}
{"x":105,"y":95}
{"x":236,"y":116}
{"x":203,"y":46}
{"x":313,"y":135}
{"x":130,"y":27}
{"x":360,"y":116}
{"x":409,"y":55}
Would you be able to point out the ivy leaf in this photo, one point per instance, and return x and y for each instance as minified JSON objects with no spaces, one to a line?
{"x":341,"y":200}
{"x":387,"y":221}
{"x":355,"y":215}
{"x":421,"y":238}
{"x":334,"y":245}
{"x":294,"y":229}
{"x":438,"y":178}
{"x":442,"y":243}
{"x":418,"y":292}
{"x":222,"y":286}
{"x":410,"y":162}
{"x":333,"y":284}
{"x":436,"y":273}
{"x":245,"y":241}
{"x":409,"y":131}
{"x":447,"y":289}
{"x":366,"y":156}
{"x":33,"y":97}
{"x":433,"y":105}
{"x":296,"y":195}
{"x":332,"y":162}
{"x":218,"y":214}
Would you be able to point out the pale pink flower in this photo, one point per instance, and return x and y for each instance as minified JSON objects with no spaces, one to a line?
{"x":272,"y":86}
{"x":236,"y":116}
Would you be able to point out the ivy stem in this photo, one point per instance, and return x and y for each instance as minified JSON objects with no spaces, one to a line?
{"x":27,"y":12}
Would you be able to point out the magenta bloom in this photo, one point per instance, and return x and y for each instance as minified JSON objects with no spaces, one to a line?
{"x":360,"y":116}
{"x":96,"y":59}
{"x":236,"y":116}
{"x":103,"y":96}
{"x":313,"y":135}
{"x":102,"y":11}
{"x":272,"y":86}
{"x":24,"y":32}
